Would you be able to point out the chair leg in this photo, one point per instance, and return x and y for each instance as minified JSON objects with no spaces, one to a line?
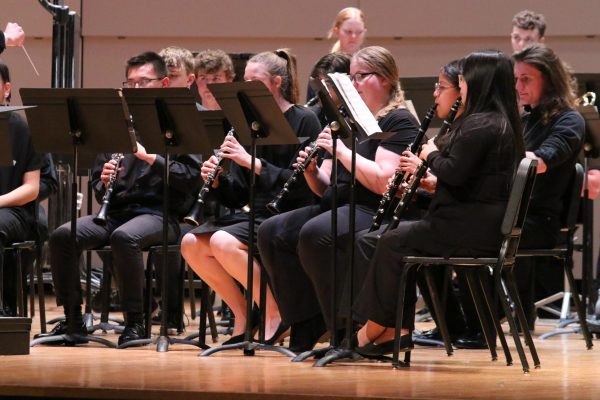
{"x":20,"y":292}
{"x":211,"y":315}
{"x":192,"y":292}
{"x":490,"y":302}
{"x":399,"y":317}
{"x":483,"y":318}
{"x":181,"y":307}
{"x":439,"y":312}
{"x":578,"y":305}
{"x":40,"y":288}
{"x":149,"y":295}
{"x":31,"y":288}
{"x":521,"y":316}
{"x":511,"y":321}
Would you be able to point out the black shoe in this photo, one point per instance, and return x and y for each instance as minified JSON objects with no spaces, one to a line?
{"x":62,"y":329}
{"x":471,"y":340}
{"x":432,"y":337}
{"x":305,"y":335}
{"x":281,"y":329}
{"x":132,"y":332}
{"x":255,"y":320}
{"x":374,"y":350}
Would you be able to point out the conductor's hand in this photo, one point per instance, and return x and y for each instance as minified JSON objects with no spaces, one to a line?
{"x":409,"y":162}
{"x":14,"y":34}
{"x":108,"y":170}
{"x":233,"y":150}
{"x":211,"y":166}
{"x":427,"y":148}
{"x":142,"y":155}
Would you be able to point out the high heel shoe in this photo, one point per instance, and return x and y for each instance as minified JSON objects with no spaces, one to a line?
{"x":255,"y":318}
{"x":373,"y":350}
{"x":281,"y":329}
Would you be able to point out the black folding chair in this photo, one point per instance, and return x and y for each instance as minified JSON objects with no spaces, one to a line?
{"x":511,"y":228}
{"x":564,"y":251}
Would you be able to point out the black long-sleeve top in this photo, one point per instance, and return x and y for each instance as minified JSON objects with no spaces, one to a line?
{"x":558,"y":143}
{"x":474,"y":174}
{"x":276,"y":161}
{"x":139,"y":187}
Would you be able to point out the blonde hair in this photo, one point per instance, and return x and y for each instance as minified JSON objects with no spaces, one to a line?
{"x":281,"y":63}
{"x":344,"y":15}
{"x":178,"y":57}
{"x":379,"y":60}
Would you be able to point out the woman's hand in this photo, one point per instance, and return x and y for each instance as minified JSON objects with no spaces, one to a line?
{"x":311,"y":168}
{"x":427,"y":148}
{"x":211,"y":166}
{"x":325,"y":141}
{"x":233,"y":150}
{"x":409,"y":162}
{"x":108,"y":170}
{"x":428,"y":182}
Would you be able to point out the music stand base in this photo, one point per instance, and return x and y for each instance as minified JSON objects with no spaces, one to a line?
{"x":162,"y":343}
{"x":249,"y":349}
{"x":338,"y":353}
{"x":316,"y":353}
{"x":72,"y":340}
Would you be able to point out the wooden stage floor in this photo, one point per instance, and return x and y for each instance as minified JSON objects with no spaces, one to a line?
{"x":568,"y":371}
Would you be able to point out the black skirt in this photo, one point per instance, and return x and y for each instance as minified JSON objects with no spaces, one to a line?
{"x":235,"y":224}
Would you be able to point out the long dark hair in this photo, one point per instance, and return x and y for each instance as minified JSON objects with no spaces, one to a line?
{"x":5,"y":76}
{"x":452,"y":70}
{"x":560,"y":86}
{"x":490,"y":80}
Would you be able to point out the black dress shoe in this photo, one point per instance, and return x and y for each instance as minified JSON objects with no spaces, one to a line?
{"x":281,"y":329}
{"x":253,"y":327}
{"x":305,"y":335}
{"x":132,"y":332}
{"x":373,"y":350}
{"x":62,"y":328}
{"x":471,"y":340}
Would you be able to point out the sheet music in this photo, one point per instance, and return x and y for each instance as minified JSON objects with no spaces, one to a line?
{"x":355,"y":104}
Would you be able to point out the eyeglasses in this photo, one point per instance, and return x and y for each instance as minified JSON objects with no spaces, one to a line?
{"x":141,"y":83}
{"x":359,"y":77}
{"x":440,"y":87}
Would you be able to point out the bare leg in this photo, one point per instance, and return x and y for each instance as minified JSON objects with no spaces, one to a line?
{"x":198,"y":254}
{"x":233,"y":257}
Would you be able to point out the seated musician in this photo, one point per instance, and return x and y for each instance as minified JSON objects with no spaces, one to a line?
{"x":134,"y":220}
{"x":19,"y":188}
{"x":295,"y":246}
{"x":474,"y":167}
{"x":218,"y":250}
{"x":212,"y":66}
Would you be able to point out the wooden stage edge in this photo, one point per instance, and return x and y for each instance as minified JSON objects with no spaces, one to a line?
{"x":95,"y":372}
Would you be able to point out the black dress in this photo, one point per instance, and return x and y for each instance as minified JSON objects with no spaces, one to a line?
{"x":233,"y":191}
{"x":474,"y":174}
{"x":295,"y":247}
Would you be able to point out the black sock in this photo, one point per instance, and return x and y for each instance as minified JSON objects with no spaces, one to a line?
{"x":135,"y":318}
{"x":75,"y":313}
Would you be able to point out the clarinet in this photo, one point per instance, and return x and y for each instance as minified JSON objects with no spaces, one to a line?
{"x":400,"y":178}
{"x":410,"y":190}
{"x":193,"y":218}
{"x":100,"y":218}
{"x":275,"y":205}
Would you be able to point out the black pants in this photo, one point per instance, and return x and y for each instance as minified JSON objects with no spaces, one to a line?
{"x":12,"y":229}
{"x":295,"y":248}
{"x":128,"y":234}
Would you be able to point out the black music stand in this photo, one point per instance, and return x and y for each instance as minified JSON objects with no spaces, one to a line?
{"x":88,"y":120}
{"x":166,"y":119}
{"x":339,"y":130}
{"x":255,"y":116}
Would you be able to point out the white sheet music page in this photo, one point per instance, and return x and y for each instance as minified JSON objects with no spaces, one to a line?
{"x":356,"y":106}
